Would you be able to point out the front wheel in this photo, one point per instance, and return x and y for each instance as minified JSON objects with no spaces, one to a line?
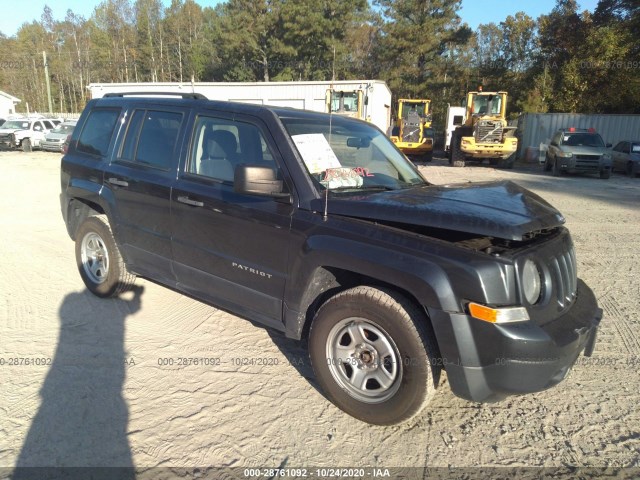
{"x":605,"y":174}
{"x":26,"y":145}
{"x":457,"y":155}
{"x":98,"y":258}
{"x":372,"y":354}
{"x":556,"y":168}
{"x":631,"y":169}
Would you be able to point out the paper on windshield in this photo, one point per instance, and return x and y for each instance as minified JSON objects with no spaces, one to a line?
{"x":316,"y":152}
{"x":635,"y":149}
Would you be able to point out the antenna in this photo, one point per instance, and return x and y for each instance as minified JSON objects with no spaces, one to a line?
{"x":326,"y":202}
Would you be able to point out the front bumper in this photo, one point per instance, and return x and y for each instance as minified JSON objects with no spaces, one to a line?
{"x":504,"y":150}
{"x":488,"y":362}
{"x":575,"y":165}
{"x":51,"y":146}
{"x":415,"y":148}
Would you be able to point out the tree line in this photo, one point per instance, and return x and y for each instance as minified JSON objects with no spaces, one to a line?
{"x":564,"y":61}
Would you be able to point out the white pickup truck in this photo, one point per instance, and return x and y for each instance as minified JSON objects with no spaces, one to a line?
{"x":25,"y":133}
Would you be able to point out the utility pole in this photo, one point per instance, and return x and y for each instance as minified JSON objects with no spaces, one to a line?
{"x":46,"y":77}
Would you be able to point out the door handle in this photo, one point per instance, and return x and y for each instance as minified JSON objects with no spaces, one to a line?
{"x":188,"y":201}
{"x":120,"y":183}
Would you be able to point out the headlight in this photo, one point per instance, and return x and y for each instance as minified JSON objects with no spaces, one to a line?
{"x":531,"y":282}
{"x":565,"y":154}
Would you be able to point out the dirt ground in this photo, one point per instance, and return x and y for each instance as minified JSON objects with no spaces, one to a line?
{"x":91,"y":382}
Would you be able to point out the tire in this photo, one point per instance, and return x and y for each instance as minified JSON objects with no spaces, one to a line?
{"x":26,"y":145}
{"x":547,"y":163}
{"x":605,"y":174}
{"x":631,"y":170}
{"x":99,"y":261}
{"x":427,"y":157}
{"x":401,"y":378}
{"x":507,"y":163}
{"x":457,"y":155}
{"x":556,"y":168}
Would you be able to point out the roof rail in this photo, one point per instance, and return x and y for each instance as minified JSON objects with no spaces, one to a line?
{"x":194,"y":96}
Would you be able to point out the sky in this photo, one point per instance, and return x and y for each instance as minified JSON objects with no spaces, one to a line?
{"x":474,"y":12}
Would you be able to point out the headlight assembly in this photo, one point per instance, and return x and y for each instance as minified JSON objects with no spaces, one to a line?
{"x":531,"y":282}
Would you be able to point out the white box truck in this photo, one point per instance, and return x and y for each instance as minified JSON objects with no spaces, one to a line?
{"x":455,"y":118}
{"x":368,"y":100}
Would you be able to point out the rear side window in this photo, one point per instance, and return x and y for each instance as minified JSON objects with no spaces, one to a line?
{"x":97,"y":131}
{"x":151,"y":138}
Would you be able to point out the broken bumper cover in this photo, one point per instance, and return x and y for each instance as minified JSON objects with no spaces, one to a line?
{"x":495,"y":361}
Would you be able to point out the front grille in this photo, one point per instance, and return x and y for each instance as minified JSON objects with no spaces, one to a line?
{"x":489,"y":132}
{"x":588,"y":157}
{"x":564,"y":275}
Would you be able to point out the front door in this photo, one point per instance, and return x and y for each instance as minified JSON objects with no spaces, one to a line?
{"x":230,"y":248}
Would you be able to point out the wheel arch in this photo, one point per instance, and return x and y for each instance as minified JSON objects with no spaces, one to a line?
{"x":327,"y":280}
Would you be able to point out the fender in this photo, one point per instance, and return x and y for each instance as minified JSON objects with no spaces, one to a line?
{"x":425,"y":280}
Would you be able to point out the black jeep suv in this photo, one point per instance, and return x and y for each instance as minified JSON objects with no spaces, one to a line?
{"x":317,"y":226}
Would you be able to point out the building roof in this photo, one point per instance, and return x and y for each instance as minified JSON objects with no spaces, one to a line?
{"x":10,"y":97}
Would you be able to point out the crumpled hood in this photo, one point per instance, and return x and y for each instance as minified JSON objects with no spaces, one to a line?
{"x":495,"y":209}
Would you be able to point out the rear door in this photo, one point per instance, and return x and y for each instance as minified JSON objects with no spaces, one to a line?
{"x":140,"y":177}
{"x":618,"y":155}
{"x":230,"y":248}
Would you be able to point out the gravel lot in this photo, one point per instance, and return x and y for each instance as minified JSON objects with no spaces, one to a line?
{"x":99,"y":382}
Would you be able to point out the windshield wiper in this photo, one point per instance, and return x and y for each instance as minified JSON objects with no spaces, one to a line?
{"x":363,"y":189}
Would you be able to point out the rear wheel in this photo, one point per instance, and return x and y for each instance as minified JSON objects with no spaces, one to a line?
{"x":457,"y":155}
{"x":98,"y":258}
{"x":371,"y":353}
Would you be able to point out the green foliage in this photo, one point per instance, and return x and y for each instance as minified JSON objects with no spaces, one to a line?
{"x":567,"y":60}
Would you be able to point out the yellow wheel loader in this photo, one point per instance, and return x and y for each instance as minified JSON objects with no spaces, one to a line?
{"x":485,"y":134}
{"x":412,"y":132}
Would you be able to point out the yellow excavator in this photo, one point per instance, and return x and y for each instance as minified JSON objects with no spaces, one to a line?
{"x":485,"y":134}
{"x":412,"y":132}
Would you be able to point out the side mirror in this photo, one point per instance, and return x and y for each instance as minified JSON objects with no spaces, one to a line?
{"x":37,"y":128}
{"x":257,"y":180}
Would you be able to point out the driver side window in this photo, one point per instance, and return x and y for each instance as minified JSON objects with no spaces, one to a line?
{"x":220,"y":145}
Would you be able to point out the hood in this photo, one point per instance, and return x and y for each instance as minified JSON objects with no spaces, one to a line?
{"x":10,"y":130}
{"x":494,"y":209}
{"x":55,"y":136}
{"x":584,"y":150}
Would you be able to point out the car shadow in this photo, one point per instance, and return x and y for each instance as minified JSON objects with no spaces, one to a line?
{"x":296,"y":355}
{"x":82,"y":420}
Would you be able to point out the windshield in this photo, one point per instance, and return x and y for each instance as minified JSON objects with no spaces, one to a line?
{"x":418,"y":108}
{"x":486,"y":104}
{"x":350,"y":155}
{"x":344,"y":102}
{"x":22,"y":124}
{"x":63,"y":128}
{"x":583,"y":140}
